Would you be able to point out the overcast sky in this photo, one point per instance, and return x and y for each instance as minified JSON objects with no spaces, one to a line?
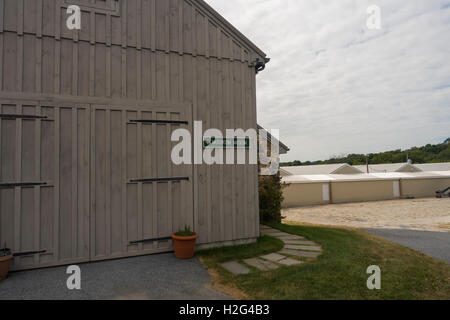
{"x":335,"y":87}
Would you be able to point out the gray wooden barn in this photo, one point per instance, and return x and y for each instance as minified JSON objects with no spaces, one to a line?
{"x":85,"y":125}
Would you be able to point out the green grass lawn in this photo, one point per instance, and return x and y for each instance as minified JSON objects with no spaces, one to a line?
{"x":339,"y":273}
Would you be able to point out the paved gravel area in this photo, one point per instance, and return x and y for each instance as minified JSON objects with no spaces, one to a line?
{"x":435,"y":244}
{"x":154,"y":277}
{"x":417,"y":214}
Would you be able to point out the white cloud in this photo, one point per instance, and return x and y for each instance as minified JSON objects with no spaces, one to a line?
{"x":335,"y":87}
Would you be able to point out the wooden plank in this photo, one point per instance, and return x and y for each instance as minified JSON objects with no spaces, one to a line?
{"x":18,"y":177}
{"x":57,"y":27}
{"x":56,"y":185}
{"x":1,"y":59}
{"x":57,"y":76}
{"x":169,"y":174}
{"x":196,"y":225}
{"x":220,"y":112}
{"x":208,"y":167}
{"x":245,"y":126}
{"x":194,"y":32}
{"x":92,"y":70}
{"x":155,"y":184}
{"x":20,"y":15}
{"x":167,"y":26}
{"x":170,"y":208}
{"x":74,"y":195}
{"x":233,"y":167}
{"x":139,"y":25}
{"x":190,"y":170}
{"x":139,"y":74}
{"x":2,"y":15}
{"x":140,"y":220}
{"x":75,"y":69}
{"x":153,"y":75}
{"x":108,"y":183}
{"x":87,"y":189}
{"x":20,"y":61}
{"x":124,"y":72}
{"x":153,"y":25}
{"x":124,"y":182}
{"x":124,"y":24}
{"x":108,"y":30}
{"x":167,"y":93}
{"x":38,"y":67}
{"x":180,"y":79}
{"x":108,"y":71}
{"x":206,"y":37}
{"x":39,"y":18}
{"x":93,"y":226}
{"x":219,"y":44}
{"x":180,"y":26}
{"x":92,"y":29}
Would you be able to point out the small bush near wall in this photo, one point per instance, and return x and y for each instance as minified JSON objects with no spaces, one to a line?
{"x":270,"y":198}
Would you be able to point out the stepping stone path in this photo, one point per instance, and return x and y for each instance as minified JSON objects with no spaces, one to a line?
{"x":235,"y":267}
{"x":275,"y":257}
{"x":295,"y":247}
{"x":261,"y":264}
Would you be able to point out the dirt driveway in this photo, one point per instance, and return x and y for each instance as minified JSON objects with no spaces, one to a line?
{"x":419,"y":214}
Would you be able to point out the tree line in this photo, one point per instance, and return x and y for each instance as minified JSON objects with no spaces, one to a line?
{"x":426,"y":154}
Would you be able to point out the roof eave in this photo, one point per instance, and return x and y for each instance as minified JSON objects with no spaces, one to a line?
{"x":232,"y":29}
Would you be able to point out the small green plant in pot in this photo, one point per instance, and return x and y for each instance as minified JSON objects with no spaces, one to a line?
{"x":5,"y":262}
{"x":184,"y":243}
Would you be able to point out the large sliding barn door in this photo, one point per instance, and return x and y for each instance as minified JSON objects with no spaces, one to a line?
{"x":89,"y":182}
{"x":44,"y":182}
{"x":138,"y":197}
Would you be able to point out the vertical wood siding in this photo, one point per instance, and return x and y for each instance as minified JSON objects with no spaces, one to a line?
{"x":155,"y":52}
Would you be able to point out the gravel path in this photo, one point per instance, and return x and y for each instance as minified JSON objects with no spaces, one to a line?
{"x":152,"y":277}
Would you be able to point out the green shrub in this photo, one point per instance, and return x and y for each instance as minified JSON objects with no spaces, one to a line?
{"x":270,"y":198}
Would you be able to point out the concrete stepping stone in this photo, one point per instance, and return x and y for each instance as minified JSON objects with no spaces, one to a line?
{"x":290,"y":262}
{"x":303,"y":248}
{"x":274,"y":257}
{"x":295,"y":246}
{"x":291,"y":237}
{"x":275,"y":234}
{"x":300,"y":242}
{"x":261,"y":264}
{"x":235,"y":267}
{"x":300,"y":254}
{"x":270,"y":231}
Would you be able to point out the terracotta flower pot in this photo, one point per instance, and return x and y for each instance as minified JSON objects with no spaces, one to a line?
{"x":5,"y":263}
{"x":184,"y":246}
